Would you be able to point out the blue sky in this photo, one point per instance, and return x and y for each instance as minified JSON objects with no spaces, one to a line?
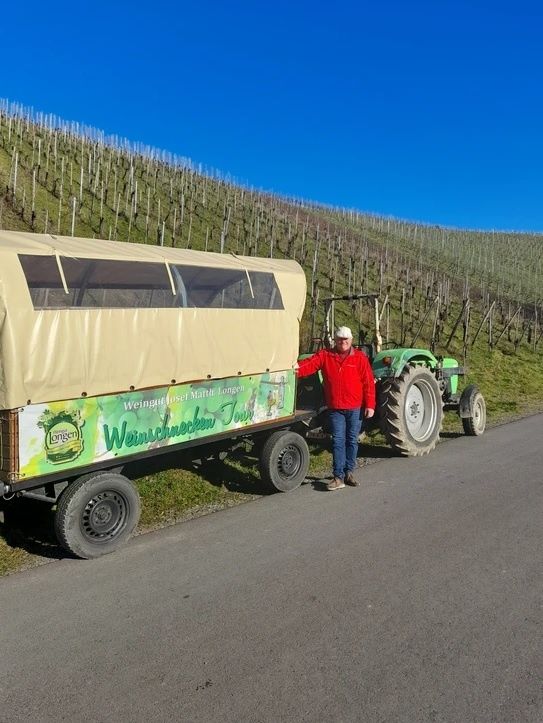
{"x":431,"y":110}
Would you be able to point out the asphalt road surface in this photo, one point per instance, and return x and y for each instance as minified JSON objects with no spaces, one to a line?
{"x":415,"y":597}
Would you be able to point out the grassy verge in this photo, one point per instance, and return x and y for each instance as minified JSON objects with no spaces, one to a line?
{"x":174,"y":488}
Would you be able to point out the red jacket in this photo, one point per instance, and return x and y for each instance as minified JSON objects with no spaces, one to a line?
{"x":348,"y":383}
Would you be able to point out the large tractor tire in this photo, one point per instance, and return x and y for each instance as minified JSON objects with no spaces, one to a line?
{"x":411,"y":411}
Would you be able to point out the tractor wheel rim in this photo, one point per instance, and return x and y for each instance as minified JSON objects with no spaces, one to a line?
{"x":420,"y":410}
{"x":289,"y":462}
{"x":104,"y":516}
{"x":478,"y":415}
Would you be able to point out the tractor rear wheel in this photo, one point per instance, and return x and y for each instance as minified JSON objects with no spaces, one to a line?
{"x":411,"y":411}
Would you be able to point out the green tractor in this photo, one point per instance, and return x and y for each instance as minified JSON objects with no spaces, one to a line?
{"x":414,"y":388}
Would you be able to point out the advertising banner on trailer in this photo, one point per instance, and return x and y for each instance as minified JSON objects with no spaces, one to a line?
{"x":79,"y":432}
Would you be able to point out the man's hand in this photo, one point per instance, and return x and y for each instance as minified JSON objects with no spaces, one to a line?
{"x":368,"y":413}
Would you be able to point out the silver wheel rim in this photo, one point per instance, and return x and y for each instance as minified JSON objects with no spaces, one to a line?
{"x":478,"y":415}
{"x":420,"y":410}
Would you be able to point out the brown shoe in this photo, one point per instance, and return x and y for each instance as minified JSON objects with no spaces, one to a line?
{"x":335,"y":484}
{"x":350,"y":480}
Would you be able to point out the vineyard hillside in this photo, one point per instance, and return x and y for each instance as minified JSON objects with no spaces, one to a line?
{"x":475,"y":294}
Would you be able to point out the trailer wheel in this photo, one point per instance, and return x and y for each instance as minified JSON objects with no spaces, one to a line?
{"x":284,"y":460}
{"x":411,"y":411}
{"x":472,"y":399}
{"x":96,"y":514}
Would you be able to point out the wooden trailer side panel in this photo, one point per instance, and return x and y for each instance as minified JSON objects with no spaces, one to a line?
{"x":9,"y":446}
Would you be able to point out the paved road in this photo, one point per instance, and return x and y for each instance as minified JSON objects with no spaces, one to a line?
{"x":416,"y":597}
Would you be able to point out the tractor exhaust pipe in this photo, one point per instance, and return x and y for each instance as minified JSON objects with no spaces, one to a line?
{"x":378,"y":337}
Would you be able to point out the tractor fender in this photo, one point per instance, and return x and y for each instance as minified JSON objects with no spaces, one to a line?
{"x":465,"y":406}
{"x":398,"y":359}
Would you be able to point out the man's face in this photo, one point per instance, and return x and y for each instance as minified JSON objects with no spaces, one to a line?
{"x":343,"y":344}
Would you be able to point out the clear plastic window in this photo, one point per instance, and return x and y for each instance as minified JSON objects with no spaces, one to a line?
{"x":104,"y":283}
{"x":213,"y":288}
{"x":97,"y":283}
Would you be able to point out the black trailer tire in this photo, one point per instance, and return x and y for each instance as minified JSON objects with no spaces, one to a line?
{"x":96,"y":514}
{"x":284,"y":460}
{"x":410,"y":408}
{"x":475,"y":424}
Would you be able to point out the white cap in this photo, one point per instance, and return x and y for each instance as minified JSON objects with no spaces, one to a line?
{"x":344,"y":333}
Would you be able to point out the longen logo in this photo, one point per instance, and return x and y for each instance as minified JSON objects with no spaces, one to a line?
{"x":60,"y":436}
{"x":63,"y":437}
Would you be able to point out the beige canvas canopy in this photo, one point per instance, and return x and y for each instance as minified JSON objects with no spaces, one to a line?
{"x":90,"y":317}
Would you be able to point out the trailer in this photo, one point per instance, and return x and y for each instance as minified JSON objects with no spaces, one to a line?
{"x":113,"y":352}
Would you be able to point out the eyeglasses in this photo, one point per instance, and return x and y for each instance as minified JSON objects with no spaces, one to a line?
{"x":342,"y":338}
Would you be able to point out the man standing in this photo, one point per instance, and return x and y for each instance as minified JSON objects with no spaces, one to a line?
{"x":348,"y":386}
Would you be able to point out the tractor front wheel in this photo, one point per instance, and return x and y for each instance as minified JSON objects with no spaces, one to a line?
{"x":474,"y":422}
{"x":411,"y":411}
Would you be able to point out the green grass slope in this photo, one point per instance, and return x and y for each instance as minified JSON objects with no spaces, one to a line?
{"x":61,"y":178}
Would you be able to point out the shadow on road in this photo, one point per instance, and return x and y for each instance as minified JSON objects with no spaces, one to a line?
{"x":376,"y":451}
{"x":28,"y":525}
{"x":319,"y":483}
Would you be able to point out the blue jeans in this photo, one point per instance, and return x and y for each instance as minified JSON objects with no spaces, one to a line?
{"x":345,"y":424}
